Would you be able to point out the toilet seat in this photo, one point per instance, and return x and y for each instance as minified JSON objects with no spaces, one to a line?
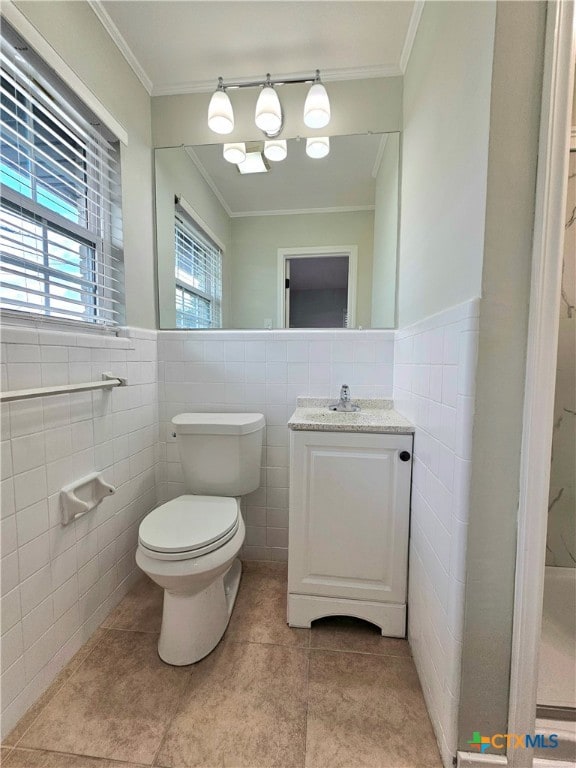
{"x":189,"y":526}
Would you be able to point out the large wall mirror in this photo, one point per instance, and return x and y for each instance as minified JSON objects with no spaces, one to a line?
{"x":304,"y":243}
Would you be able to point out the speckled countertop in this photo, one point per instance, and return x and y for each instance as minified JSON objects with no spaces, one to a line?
{"x":377,"y":415}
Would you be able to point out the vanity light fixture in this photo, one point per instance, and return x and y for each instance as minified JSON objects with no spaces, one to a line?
{"x":235,"y":153}
{"x":268,"y":115}
{"x":275,"y":150}
{"x":220,"y":112}
{"x":317,"y":105}
{"x":317,"y":146}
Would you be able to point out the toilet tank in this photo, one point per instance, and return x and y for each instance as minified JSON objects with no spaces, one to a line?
{"x":220,"y":452}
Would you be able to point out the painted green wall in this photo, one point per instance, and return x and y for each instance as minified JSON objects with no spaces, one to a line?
{"x":384,"y":265}
{"x":76,"y":34}
{"x":255,"y":243}
{"x":445,"y":158}
{"x":497,"y":437}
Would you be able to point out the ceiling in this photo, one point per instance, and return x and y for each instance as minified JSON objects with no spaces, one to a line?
{"x":183,"y":46}
{"x":344,"y":180}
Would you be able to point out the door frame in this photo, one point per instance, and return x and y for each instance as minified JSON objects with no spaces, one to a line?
{"x":351,"y":251}
{"x":554,"y":146}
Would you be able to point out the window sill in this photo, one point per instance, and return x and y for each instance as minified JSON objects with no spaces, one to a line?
{"x":12,"y":318}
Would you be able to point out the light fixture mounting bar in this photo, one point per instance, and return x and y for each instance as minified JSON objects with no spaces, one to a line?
{"x":270,"y":81}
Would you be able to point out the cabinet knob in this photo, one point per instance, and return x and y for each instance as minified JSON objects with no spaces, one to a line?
{"x":405,"y":456}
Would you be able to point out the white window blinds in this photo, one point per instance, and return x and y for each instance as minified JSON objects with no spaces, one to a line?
{"x":198,"y":275}
{"x":61,"y":224}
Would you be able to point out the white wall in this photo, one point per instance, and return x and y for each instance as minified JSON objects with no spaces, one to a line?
{"x":385,"y":261}
{"x":254,"y":259}
{"x":444,"y":164}
{"x":265,"y":372}
{"x":445,"y":158}
{"x":434,"y":375}
{"x":59,"y":583}
{"x":503,"y":332}
{"x":75,"y":33}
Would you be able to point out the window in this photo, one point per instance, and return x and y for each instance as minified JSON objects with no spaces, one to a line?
{"x":60,"y":222}
{"x":198,"y":265}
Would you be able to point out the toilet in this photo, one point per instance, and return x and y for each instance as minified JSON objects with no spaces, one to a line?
{"x":189,"y":546}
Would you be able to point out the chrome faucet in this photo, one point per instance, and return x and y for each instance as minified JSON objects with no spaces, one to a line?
{"x":345,"y":403}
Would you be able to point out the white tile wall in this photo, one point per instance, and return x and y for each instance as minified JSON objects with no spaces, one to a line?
{"x":58,"y":583}
{"x":263,"y":371}
{"x":434,"y":387}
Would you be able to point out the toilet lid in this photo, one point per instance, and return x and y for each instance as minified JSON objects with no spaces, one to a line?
{"x":189,"y":523}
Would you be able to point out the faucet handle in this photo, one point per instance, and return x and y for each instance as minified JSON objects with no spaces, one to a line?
{"x":345,"y":393}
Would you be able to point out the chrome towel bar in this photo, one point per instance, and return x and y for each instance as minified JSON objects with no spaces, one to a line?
{"x":108,"y":381}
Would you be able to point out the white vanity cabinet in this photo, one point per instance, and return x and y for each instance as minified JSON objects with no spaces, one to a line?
{"x":349,"y":522}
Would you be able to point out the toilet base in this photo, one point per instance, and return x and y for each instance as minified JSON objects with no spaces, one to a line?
{"x":192,"y":625}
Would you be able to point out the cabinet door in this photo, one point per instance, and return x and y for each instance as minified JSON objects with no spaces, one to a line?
{"x":349,"y":515}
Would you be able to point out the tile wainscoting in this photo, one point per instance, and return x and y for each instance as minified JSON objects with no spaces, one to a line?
{"x":58,"y":583}
{"x":434,"y":376}
{"x":263,"y":371}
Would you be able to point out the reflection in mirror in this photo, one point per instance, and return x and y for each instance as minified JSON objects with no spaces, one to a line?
{"x":306,"y":243}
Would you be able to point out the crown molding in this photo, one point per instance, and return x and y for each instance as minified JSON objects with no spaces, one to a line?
{"x":121,"y":44}
{"x":282,"y":212}
{"x":300,"y":211}
{"x":328,"y":75}
{"x":411,"y":34}
{"x":208,"y":179}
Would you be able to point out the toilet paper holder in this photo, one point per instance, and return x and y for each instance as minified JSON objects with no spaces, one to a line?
{"x":82,"y":495}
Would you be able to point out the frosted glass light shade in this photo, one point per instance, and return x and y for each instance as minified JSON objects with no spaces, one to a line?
{"x":318,"y":146}
{"x":268,"y":115}
{"x":220,"y":114}
{"x":275,"y":150}
{"x":235,"y":153}
{"x":317,"y":107}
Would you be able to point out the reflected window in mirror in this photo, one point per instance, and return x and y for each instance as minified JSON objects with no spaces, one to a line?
{"x":198,"y":275}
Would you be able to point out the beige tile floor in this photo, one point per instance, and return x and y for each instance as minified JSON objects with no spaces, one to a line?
{"x":336,"y":696}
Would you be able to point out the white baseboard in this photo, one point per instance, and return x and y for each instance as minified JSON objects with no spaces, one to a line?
{"x":477,"y":760}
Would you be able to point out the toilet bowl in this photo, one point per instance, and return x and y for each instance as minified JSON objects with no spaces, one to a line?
{"x":190,"y":545}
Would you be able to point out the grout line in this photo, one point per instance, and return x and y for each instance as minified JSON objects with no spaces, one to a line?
{"x":141,"y":631}
{"x":103,"y":760}
{"x":307,"y":706}
{"x":173,"y":715}
{"x":317,"y":648}
{"x":60,"y":687}
{"x":364,"y":653}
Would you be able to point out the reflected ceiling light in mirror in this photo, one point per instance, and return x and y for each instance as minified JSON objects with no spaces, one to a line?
{"x":317,"y":146}
{"x":275,"y":150}
{"x":235,"y":153}
{"x":268,"y":116}
{"x":220,"y":113}
{"x":254,"y":163}
{"x":317,"y":105}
